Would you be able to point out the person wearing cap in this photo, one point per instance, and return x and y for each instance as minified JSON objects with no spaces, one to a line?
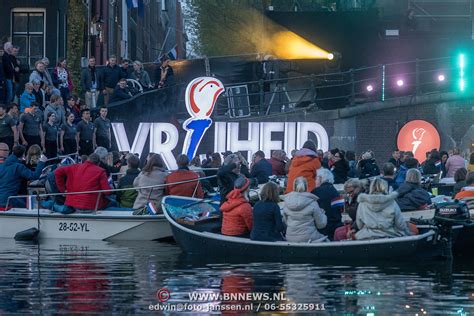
{"x":236,"y":211}
{"x":304,"y":164}
{"x":227,"y":175}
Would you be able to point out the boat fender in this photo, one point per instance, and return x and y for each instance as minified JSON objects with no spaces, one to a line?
{"x":27,"y":235}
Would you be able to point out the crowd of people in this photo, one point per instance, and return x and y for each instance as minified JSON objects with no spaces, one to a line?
{"x":312,"y":209}
{"x":46,"y":112}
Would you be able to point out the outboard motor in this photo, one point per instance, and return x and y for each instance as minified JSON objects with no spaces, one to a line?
{"x":447,"y":215}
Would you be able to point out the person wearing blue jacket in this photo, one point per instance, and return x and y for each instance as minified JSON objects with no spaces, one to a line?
{"x":12,"y":171}
{"x":261,"y":168}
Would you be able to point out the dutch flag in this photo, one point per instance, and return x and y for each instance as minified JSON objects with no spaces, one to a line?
{"x":152,"y":210}
{"x":438,"y":164}
{"x":337,"y":202}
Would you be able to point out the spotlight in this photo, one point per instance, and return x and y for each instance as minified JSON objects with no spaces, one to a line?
{"x":441,"y":77}
{"x":400,"y":82}
{"x":369,"y":88}
{"x":330,"y":56}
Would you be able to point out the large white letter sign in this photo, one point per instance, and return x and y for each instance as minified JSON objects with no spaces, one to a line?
{"x":200,"y":98}
{"x":165,"y":149}
{"x":315,"y":128}
{"x":138,"y":143}
{"x":266,"y":142}
{"x":251,"y":145}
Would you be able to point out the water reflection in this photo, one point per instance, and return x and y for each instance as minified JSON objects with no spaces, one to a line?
{"x":100,"y":277}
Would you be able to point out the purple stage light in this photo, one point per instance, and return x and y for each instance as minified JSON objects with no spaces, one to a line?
{"x":400,"y":82}
{"x":370,"y":88}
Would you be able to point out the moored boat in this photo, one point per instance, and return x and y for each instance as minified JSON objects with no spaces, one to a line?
{"x":202,"y":237}
{"x":100,"y":225}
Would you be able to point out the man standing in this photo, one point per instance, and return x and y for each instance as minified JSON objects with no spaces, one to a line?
{"x":85,"y":133}
{"x":126,"y":69}
{"x":9,"y":69}
{"x":56,"y":106}
{"x":110,"y":77}
{"x":395,"y":160}
{"x":8,"y":130}
{"x":89,"y":84}
{"x":30,"y":127}
{"x":102,"y":133}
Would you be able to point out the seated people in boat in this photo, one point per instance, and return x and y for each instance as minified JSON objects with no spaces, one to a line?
{"x":104,"y":163}
{"x":302,"y":214}
{"x":467,"y":193}
{"x":237,"y":211}
{"x":329,"y":200}
{"x":191,"y":189}
{"x":433,"y":164}
{"x":304,"y":164}
{"x":4,"y":150}
{"x":152,"y":174}
{"x":410,"y":163}
{"x":378,"y":215}
{"x":353,"y":187}
{"x":267,"y":221}
{"x":261,"y":169}
{"x":278,"y":162}
{"x":460,"y":180}
{"x":411,"y":196}
{"x":87,"y":176}
{"x":12,"y":172}
{"x":227,"y":175}
{"x":127,"y":198}
{"x":388,"y":172}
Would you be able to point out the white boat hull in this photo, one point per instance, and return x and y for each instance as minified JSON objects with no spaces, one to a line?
{"x":102,"y":225}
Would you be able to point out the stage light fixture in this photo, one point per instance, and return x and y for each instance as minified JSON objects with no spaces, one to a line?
{"x":462,"y":66}
{"x":330,"y":56}
{"x":400,"y":82}
{"x":369,"y":88}
{"x":441,"y":78}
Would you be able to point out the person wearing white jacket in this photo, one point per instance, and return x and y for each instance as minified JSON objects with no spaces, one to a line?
{"x":378,"y":215}
{"x":302,"y":214}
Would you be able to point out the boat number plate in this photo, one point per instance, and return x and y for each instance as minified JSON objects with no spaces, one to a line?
{"x":73,"y":227}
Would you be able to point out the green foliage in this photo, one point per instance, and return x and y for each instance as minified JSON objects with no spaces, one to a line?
{"x":76,"y":25}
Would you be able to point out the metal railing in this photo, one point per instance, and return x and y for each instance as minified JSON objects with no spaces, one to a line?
{"x":38,"y":196}
{"x":324,"y":91}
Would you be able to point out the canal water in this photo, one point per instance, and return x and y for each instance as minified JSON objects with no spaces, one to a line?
{"x":139,"y":277}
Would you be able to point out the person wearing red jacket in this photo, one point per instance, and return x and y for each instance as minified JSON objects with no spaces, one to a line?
{"x":236,"y":211}
{"x":191,"y":189}
{"x":87,"y":176}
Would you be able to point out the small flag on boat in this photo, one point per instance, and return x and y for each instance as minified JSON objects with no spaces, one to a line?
{"x":438,"y":164}
{"x":338,"y":201}
{"x":152,"y":210}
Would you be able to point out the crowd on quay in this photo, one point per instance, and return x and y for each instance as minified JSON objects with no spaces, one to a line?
{"x":46,"y":113}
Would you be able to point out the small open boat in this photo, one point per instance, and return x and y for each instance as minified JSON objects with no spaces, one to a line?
{"x":100,"y":225}
{"x":198,"y":234}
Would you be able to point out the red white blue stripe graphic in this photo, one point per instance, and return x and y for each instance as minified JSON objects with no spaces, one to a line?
{"x":152,"y":210}
{"x":337,"y":202}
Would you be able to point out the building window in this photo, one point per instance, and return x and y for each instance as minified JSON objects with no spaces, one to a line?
{"x":28,"y":28}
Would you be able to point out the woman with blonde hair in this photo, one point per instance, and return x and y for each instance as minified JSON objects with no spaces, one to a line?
{"x":302,"y":214}
{"x":141,"y":75}
{"x":378,"y":215}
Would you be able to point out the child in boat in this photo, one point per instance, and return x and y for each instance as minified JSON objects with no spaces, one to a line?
{"x":267,"y":221}
{"x":237,"y":211}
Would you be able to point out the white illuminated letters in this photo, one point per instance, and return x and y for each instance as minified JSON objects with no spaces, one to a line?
{"x":226,"y":137}
{"x":165,"y":149}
